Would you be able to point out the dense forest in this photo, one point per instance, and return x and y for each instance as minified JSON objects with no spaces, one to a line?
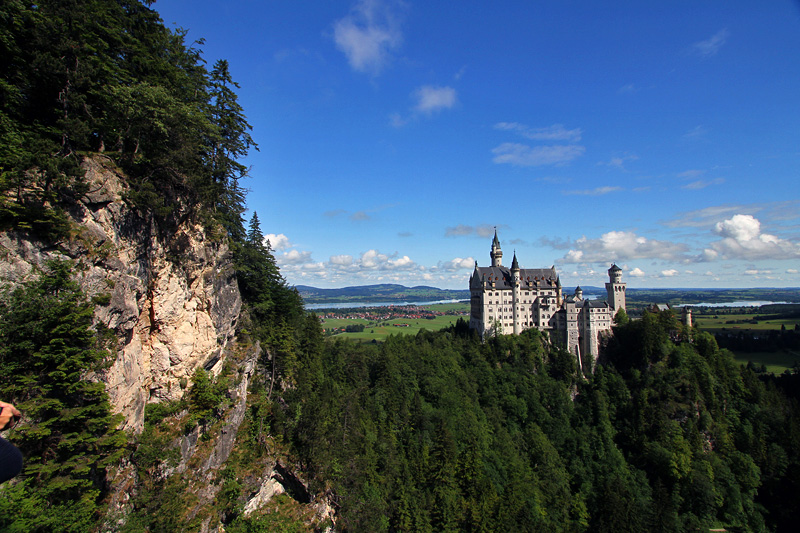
{"x":440,"y":431}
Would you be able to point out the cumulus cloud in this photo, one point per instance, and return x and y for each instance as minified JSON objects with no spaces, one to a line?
{"x":709,"y":216}
{"x":636,"y":273}
{"x":529,"y":156}
{"x":368,"y":35}
{"x":458,"y":263}
{"x":430,"y":99}
{"x":374,"y":260}
{"x":669,"y":273}
{"x":371,"y":266}
{"x":742,"y":239}
{"x":294,"y":257}
{"x":620,"y":246}
{"x":556,"y":132}
{"x":341,"y":260}
{"x":709,"y":47}
{"x":277,"y":242}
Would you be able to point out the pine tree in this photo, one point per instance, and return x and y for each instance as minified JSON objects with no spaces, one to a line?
{"x":68,"y":437}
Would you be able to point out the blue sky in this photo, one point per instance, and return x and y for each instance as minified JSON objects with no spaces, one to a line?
{"x":395,"y":136}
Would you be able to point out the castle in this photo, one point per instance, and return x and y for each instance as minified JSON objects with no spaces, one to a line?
{"x":504,"y":301}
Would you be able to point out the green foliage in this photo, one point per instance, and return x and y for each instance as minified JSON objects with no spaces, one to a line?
{"x":107,"y":76}
{"x":204,"y":397}
{"x":440,"y":432}
{"x":69,"y":435}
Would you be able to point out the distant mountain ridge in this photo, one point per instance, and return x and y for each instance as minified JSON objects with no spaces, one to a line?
{"x":390,"y":292}
{"x":385,"y":292}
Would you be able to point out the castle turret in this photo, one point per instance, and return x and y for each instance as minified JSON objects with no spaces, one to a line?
{"x":558,"y":291}
{"x":515,"y":299}
{"x":615,"y":288}
{"x":687,"y":316}
{"x":578,"y":293}
{"x":496,"y":254}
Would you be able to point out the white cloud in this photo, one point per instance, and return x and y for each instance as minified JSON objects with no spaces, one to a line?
{"x":368,"y":35}
{"x":529,"y":156}
{"x":294,"y":257}
{"x":622,"y":245}
{"x":636,"y":273}
{"x":708,"y":216}
{"x":791,"y":271}
{"x":341,"y":260}
{"x":742,"y":239}
{"x":277,"y":242}
{"x":458,"y":263}
{"x":374,"y":260}
{"x":556,"y":132}
{"x":712,"y":45}
{"x":669,"y":273}
{"x":430,"y":99}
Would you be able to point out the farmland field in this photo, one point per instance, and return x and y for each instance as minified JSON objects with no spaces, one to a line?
{"x":378,"y":330}
{"x":745,"y":331}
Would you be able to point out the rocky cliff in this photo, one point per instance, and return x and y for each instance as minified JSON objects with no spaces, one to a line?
{"x":170,"y":296}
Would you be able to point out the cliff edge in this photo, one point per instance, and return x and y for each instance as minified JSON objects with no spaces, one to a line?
{"x":169,"y":295}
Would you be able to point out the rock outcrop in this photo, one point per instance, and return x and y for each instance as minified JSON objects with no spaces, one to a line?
{"x":170,"y":296}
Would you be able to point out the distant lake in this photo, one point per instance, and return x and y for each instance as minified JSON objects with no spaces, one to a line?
{"x":753,"y":303}
{"x":346,"y":305}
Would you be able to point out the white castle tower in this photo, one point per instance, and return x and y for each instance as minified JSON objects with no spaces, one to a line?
{"x":496,"y":254}
{"x":615,"y":288}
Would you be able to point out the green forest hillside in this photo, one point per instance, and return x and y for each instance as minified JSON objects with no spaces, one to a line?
{"x":433,"y":432}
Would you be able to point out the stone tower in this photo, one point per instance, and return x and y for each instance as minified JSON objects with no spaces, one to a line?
{"x":687,"y":316}
{"x":615,"y":288}
{"x":515,"y":299}
{"x":496,"y":254}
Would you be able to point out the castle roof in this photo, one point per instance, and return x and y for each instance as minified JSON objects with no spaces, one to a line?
{"x":503,"y":278}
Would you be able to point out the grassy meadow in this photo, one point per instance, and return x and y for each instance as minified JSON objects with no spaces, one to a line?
{"x":379,"y":330}
{"x":775,"y":361}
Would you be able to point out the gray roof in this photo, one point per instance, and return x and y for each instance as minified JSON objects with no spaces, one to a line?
{"x":546,"y":277}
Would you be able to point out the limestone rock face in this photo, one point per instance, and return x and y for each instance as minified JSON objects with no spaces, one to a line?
{"x":170,"y":297}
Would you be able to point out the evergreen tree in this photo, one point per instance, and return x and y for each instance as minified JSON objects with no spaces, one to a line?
{"x":48,"y":353}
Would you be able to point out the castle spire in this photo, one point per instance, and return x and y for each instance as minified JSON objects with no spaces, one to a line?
{"x":496,"y":254}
